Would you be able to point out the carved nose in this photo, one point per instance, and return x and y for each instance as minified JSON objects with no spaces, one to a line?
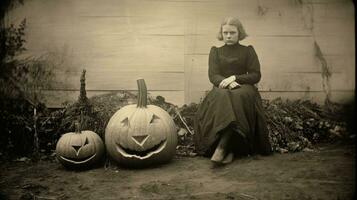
{"x":140,"y":139}
{"x":76,"y":148}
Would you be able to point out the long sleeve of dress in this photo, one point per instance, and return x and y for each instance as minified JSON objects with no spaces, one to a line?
{"x":253,"y":68}
{"x":213,"y":68}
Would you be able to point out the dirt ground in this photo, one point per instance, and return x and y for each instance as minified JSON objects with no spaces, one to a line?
{"x":328,"y":172}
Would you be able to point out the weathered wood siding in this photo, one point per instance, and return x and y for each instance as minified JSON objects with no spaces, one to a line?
{"x":167,"y":43}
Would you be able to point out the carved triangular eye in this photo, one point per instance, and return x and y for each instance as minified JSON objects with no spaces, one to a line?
{"x":125,"y":121}
{"x":86,"y":141}
{"x":154,"y":119}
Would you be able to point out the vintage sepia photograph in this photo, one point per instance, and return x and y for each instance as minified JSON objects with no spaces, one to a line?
{"x":177,"y":100}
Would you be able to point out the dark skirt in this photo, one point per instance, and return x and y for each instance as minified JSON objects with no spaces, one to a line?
{"x":239,"y":109}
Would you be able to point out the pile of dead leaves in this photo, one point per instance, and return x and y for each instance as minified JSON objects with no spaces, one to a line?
{"x":299,"y":125}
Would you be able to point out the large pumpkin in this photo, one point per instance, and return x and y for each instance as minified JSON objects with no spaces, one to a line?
{"x":79,"y":149}
{"x":141,"y":135}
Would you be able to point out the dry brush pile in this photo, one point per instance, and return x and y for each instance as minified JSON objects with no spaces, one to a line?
{"x":293,"y":125}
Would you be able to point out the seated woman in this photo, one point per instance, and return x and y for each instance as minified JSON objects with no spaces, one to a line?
{"x":230,"y":121}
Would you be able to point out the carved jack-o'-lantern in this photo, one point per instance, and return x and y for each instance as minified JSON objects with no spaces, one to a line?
{"x":79,"y":148}
{"x":140,"y":135}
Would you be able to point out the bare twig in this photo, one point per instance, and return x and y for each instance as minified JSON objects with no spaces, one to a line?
{"x":45,"y":121}
{"x":183,"y":121}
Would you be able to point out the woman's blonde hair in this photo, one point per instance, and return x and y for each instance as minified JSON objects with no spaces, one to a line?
{"x":234,"y":21}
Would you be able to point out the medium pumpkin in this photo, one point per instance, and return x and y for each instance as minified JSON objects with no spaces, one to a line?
{"x":141,"y":135}
{"x":79,"y":149}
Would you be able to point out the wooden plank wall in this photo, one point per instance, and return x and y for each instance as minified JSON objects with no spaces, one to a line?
{"x":167,"y":43}
{"x":284,"y":34}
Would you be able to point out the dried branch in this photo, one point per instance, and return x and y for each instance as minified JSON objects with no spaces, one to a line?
{"x":183,"y":121}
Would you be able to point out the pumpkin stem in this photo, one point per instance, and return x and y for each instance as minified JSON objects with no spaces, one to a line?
{"x":142,"y":95}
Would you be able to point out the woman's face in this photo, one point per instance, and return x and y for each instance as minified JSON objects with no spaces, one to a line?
{"x":230,"y":34}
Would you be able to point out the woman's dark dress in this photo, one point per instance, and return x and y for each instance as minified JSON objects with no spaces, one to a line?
{"x":240,"y":109}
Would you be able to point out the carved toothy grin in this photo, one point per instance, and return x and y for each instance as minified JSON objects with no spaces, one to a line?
{"x":141,"y":154}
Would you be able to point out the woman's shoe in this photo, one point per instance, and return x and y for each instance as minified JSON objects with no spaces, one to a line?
{"x":218,"y":155}
{"x":221,"y":149}
{"x":228,"y":159}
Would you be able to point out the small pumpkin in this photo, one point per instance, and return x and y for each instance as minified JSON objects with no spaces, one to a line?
{"x":79,"y":149}
{"x":141,"y":135}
